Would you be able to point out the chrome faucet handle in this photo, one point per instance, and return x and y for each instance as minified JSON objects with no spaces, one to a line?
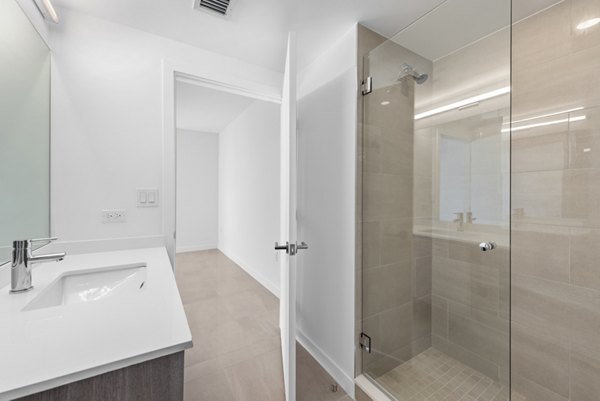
{"x":22,"y":260}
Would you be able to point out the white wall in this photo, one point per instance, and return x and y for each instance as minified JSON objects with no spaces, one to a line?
{"x":197,"y":190}
{"x":326,"y":208}
{"x":107,"y":122}
{"x":249,"y":192}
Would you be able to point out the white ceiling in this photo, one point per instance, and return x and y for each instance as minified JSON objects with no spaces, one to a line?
{"x":256,"y":30}
{"x":458,"y":23}
{"x":207,"y":110}
{"x":453,"y":25}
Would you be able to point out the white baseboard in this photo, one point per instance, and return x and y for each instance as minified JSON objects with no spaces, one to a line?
{"x":345,"y":381}
{"x":261,"y":278}
{"x":195,"y":248}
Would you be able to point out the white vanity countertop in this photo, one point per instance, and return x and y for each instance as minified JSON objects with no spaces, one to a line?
{"x":49,"y":347}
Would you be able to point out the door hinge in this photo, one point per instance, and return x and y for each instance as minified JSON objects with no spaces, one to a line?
{"x":366,"y":86}
{"x":365,"y":342}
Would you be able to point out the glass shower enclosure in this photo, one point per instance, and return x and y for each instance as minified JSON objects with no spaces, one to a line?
{"x":436,"y":207}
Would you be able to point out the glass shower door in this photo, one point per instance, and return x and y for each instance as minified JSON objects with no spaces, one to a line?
{"x":436,"y":206}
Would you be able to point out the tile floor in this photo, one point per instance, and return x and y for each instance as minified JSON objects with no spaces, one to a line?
{"x":434,"y":376}
{"x":234,"y":323}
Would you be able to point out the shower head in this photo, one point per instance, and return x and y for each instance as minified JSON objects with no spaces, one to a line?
{"x":421,"y":78}
{"x":409,"y":71}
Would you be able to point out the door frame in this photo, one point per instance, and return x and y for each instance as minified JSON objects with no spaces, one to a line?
{"x":173,"y":71}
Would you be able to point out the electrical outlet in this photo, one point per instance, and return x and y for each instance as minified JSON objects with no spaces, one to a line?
{"x":114,"y":216}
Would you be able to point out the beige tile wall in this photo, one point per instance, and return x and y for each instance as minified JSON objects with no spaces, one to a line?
{"x":470,"y":288}
{"x":396,"y":270}
{"x":388,"y":303}
{"x":470,"y":306}
{"x":556,"y":190}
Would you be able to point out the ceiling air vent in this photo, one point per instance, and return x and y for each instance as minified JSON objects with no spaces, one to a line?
{"x":220,"y":7}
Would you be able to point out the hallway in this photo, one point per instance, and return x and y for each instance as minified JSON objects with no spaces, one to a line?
{"x":234,"y":323}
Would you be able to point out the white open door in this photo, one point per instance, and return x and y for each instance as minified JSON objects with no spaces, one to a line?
{"x":287,"y":244}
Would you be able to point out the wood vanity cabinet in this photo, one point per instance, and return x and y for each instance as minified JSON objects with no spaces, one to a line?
{"x":159,"y":379}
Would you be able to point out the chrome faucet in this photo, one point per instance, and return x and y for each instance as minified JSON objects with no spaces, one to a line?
{"x":469,"y":218}
{"x":460,"y":219}
{"x":22,"y":261}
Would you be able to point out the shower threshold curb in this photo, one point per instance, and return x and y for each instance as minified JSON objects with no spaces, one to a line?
{"x":370,"y":389}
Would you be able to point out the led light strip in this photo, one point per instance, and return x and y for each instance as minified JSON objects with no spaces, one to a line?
{"x":48,"y":11}
{"x":547,"y":115}
{"x":544,"y":124}
{"x":464,"y":102}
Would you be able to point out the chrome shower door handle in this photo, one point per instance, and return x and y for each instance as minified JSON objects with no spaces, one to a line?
{"x":487,"y":246}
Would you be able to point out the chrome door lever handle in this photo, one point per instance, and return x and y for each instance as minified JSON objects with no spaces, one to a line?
{"x":285,"y":247}
{"x":291,"y":249}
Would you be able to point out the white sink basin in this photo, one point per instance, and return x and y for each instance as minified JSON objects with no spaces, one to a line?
{"x":90,"y":285}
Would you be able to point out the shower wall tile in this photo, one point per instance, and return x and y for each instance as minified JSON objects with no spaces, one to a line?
{"x":386,"y":196}
{"x":585,"y":371}
{"x":371,"y":161}
{"x":541,"y":149}
{"x":451,"y":279}
{"x":490,"y":319}
{"x":541,"y":305}
{"x":546,"y":86}
{"x":397,"y":323}
{"x":422,"y":276}
{"x":466,"y":252}
{"x":421,"y":311}
{"x":538,"y":195}
{"x":540,"y":359}
{"x":439,"y":317}
{"x":396,"y":306}
{"x":582,"y":10}
{"x":423,"y":196}
{"x":531,"y":391}
{"x":485,"y":291}
{"x":561,"y":197}
{"x":541,"y":251}
{"x":396,"y":240}
{"x":585,"y":254}
{"x":585,"y":316}
{"x":386,"y":287}
{"x":422,"y":247}
{"x":581,"y":146}
{"x":582,"y":195}
{"x":482,"y":340}
{"x":371,"y":244}
{"x":539,"y":40}
{"x":470,"y":307}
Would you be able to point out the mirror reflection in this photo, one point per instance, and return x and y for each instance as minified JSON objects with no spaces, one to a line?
{"x":24,"y":129}
{"x":473,"y":170}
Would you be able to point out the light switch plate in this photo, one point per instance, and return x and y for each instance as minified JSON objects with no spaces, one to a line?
{"x":114,"y":216}
{"x":147,"y":197}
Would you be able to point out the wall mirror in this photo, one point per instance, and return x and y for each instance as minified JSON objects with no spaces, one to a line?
{"x":24,"y":130}
{"x":473,"y":168}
